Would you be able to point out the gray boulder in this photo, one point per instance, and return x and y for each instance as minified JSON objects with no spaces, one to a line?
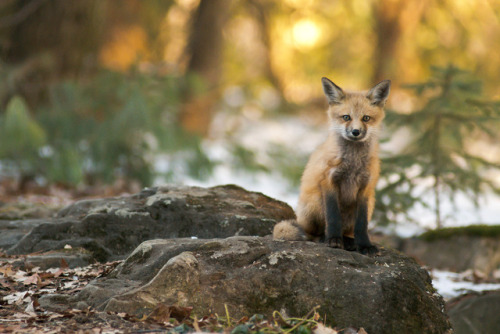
{"x":475,"y":313}
{"x":456,"y":252}
{"x":389,"y":293}
{"x":13,"y":230}
{"x":111,"y":228}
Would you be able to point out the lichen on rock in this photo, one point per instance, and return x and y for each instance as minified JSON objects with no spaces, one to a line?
{"x":390,"y":293}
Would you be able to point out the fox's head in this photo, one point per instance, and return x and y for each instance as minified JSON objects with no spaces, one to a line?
{"x":356,"y":116}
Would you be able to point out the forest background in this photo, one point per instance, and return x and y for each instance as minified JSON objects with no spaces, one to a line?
{"x":134,"y":93}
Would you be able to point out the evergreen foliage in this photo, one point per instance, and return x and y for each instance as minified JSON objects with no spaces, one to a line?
{"x":438,"y":159}
{"x":21,"y":137}
{"x":108,"y":127}
{"x":116,"y":124}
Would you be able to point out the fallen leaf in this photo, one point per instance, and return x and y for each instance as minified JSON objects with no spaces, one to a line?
{"x":243,"y":320}
{"x":5,"y":284}
{"x":55,"y":316}
{"x":33,"y":279}
{"x":20,"y":275}
{"x":64,"y":264}
{"x":19,"y":315}
{"x":180,"y":313}
{"x":7,"y":271}
{"x":58,"y":272}
{"x":28,"y":266}
{"x":30,"y":308}
{"x":322,"y":329}
{"x":15,"y":298}
{"x":163,"y":313}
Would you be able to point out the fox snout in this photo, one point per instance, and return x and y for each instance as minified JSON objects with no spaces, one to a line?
{"x":355,"y":134}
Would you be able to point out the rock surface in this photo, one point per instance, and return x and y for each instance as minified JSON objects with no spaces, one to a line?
{"x":111,"y":228}
{"x":13,"y":230}
{"x":456,"y":253}
{"x":389,"y":293}
{"x":475,"y":313}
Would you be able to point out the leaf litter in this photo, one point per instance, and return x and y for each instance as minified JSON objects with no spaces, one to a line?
{"x":20,"y":312}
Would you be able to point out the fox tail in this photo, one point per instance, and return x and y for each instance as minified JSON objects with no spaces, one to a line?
{"x":289,"y":230}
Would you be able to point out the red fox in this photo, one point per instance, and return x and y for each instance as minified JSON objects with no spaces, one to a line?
{"x":337,"y":192}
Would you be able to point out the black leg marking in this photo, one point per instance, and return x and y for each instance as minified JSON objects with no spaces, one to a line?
{"x":349,"y":244}
{"x":361,"y":238}
{"x":333,"y":228}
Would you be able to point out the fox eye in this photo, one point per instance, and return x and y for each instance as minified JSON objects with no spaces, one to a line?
{"x":366,"y":118}
{"x":346,"y":118}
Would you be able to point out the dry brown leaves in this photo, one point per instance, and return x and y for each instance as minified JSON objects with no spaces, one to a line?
{"x":21,"y":285}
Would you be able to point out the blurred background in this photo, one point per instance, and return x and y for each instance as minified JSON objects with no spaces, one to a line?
{"x":99,"y":97}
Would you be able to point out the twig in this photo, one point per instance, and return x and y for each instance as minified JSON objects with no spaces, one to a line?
{"x":303,"y":320}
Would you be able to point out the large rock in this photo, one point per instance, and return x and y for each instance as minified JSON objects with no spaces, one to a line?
{"x":13,"y":230}
{"x":384,"y":294}
{"x":111,"y":228}
{"x":457,"y":249}
{"x":475,"y":313}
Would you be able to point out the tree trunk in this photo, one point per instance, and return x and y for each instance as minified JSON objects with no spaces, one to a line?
{"x":436,"y":162}
{"x":437,"y":209}
{"x":55,"y":38}
{"x":388,"y":30}
{"x":205,"y":49}
{"x":261,"y":11}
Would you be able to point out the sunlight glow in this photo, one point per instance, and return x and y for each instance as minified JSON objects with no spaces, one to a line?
{"x":125,"y":48}
{"x":305,"y":33}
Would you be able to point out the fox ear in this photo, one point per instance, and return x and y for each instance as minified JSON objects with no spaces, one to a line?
{"x":333,"y":93}
{"x":378,"y":94}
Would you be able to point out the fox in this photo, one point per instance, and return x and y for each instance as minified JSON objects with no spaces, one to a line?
{"x":337,"y":190}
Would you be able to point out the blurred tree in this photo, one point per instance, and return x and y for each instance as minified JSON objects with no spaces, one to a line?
{"x":134,"y":33}
{"x":110,"y":127}
{"x":205,"y":52}
{"x":22,"y":138}
{"x":438,"y":157}
{"x":45,"y":40}
{"x":262,"y":11}
{"x":387,"y":16}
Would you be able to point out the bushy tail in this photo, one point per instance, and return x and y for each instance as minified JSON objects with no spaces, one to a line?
{"x":289,"y":230}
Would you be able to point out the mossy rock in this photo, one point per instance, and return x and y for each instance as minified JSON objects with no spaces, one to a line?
{"x":483,"y":231}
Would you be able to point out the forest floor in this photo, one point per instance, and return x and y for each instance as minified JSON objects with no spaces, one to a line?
{"x":22,"y":284}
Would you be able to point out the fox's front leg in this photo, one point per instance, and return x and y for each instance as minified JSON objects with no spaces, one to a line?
{"x":361,"y":238}
{"x":333,"y":224}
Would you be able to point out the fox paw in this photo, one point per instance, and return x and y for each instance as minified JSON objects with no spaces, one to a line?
{"x":349,"y":244}
{"x":368,"y":250}
{"x":335,"y":242}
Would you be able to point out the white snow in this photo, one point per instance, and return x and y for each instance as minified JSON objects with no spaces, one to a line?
{"x":301,"y":134}
{"x":450,"y":284}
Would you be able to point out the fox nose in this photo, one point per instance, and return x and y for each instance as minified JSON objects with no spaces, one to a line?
{"x":356,"y":132}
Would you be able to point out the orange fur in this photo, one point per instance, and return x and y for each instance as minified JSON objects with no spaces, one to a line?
{"x":345,"y":164}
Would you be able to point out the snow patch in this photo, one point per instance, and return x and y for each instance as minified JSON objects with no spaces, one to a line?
{"x":450,"y":284}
